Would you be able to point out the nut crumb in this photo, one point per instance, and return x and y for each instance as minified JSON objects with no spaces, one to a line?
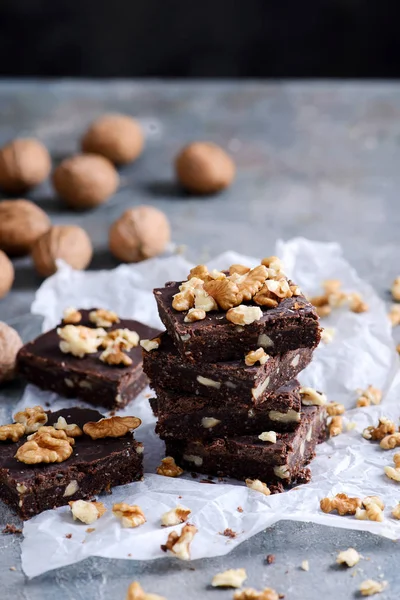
{"x":270,"y":559}
{"x":229,"y":533}
{"x":232,"y":578}
{"x":179,"y":544}
{"x":327,"y":335}
{"x":68,"y":536}
{"x":395,"y":289}
{"x":348,"y":557}
{"x":13,"y":568}
{"x":369,"y":587}
{"x":394,"y":315}
{"x":90,"y":529}
{"x":371,"y":395}
{"x":79,"y":340}
{"x":305,"y":565}
{"x":169,"y":468}
{"x":252,"y":594}
{"x":258,"y":486}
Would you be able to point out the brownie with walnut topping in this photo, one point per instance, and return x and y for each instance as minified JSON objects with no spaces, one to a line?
{"x":43,"y":363}
{"x":182,"y":416}
{"x":291,"y":325}
{"x":94,"y":466}
{"x":242,"y":457}
{"x":223,"y":383}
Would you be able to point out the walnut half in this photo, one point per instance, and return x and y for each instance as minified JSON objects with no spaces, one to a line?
{"x":111,"y":427}
{"x":12,"y":432}
{"x":44,"y":449}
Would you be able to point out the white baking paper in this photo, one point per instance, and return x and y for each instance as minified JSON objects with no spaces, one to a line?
{"x":362,"y":353}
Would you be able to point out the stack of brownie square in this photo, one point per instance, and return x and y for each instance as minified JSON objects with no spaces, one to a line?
{"x":224,"y":373}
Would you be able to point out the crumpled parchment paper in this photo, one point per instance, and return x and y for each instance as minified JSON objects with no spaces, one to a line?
{"x":361,"y":353}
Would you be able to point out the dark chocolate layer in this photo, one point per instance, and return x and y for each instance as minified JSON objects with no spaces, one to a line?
{"x":291,"y":325}
{"x":94,"y":466}
{"x":248,"y":457}
{"x":224,"y":382}
{"x":41,"y":362}
{"x":193,"y":417}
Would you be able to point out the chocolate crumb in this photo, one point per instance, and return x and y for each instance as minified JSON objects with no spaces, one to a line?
{"x":229,"y":533}
{"x":270,"y":558}
{"x":206,"y":481}
{"x":281,"y":596}
{"x":239,"y":509}
{"x":68,"y":536}
{"x":210,"y":478}
{"x":11,"y":528}
{"x":163,"y":547}
{"x":129,"y":554}
{"x":194,"y":475}
{"x":180,"y":497}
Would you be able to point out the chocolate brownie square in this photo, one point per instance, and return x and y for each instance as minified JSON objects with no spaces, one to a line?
{"x":94,"y":466}
{"x":223,"y":382}
{"x":243,"y":457}
{"x":113,"y":386}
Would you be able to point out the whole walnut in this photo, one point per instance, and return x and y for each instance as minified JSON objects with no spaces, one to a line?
{"x":139,"y":233}
{"x":21,"y":224}
{"x":117,"y":137}
{"x":24,"y":163}
{"x":204,"y":168}
{"x":85,"y":180}
{"x":10,"y":343}
{"x":6,"y":274}
{"x":67,"y":242}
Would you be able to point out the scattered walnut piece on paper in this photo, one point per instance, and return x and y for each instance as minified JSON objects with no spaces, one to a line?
{"x":348,"y":557}
{"x":233,"y":578}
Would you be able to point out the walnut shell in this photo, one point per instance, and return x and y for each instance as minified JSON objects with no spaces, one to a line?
{"x":24,"y":163}
{"x":85,"y":180}
{"x":139,"y":233}
{"x":6,"y":274}
{"x":68,"y":242}
{"x":117,"y":137}
{"x":204,"y":168}
{"x":21,"y":224}
{"x":10,"y":343}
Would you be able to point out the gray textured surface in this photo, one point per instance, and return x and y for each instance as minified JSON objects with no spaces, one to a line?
{"x":319,"y":160}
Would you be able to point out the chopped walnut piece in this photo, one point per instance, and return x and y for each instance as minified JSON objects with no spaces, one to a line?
{"x":274,"y":263}
{"x":79,"y":340}
{"x":31,"y":418}
{"x":256,"y":355}
{"x":183,"y":300}
{"x":323,"y":311}
{"x":394,"y":315}
{"x":232,"y":578}
{"x":396,"y":511}
{"x":12,"y":432}
{"x":175,"y":516}
{"x":86,"y":512}
{"x":130,"y":515}
{"x":150,"y":345}
{"x":252,"y":594}
{"x":179,"y":545}
{"x":390,"y":441}
{"x":244,"y":315}
{"x":342,"y":503}
{"x":375,"y":499}
{"x":310,"y":397}
{"x":384,"y":428}
{"x":111,"y":427}
{"x":215,"y":274}
{"x":356,"y":303}
{"x":331,"y":286}
{"x":195,"y":314}
{"x":305,"y":565}
{"x":392,"y":473}
{"x":396,"y":459}
{"x":369,"y":587}
{"x":279,"y":289}
{"x":334,"y":408}
{"x":204,"y":301}
{"x":71,"y":430}
{"x":268,"y":436}
{"x":252,"y":283}
{"x":348,"y":557}
{"x":373,"y":508}
{"x":103,"y":318}
{"x":169,"y":468}
{"x":228,"y":532}
{"x":201,"y":272}
{"x":327,"y":335}
{"x":71,"y":316}
{"x":371,"y":395}
{"x":396,"y":289}
{"x":126,"y":338}
{"x":191,"y":284}
{"x":335,"y":426}
{"x":258,"y":486}
{"x":224,"y":292}
{"x":239,"y":269}
{"x":45,"y":448}
{"x":53,"y":432}
{"x":136,"y":592}
{"x":265,"y":298}
{"x":113,"y":355}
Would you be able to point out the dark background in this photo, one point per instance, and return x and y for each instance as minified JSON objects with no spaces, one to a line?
{"x":199,"y":38}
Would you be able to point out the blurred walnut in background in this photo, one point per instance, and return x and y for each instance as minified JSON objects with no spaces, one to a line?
{"x":67,"y":242}
{"x":21,"y":223}
{"x":10,"y":343}
{"x":204,"y":168}
{"x":117,"y":137}
{"x":6,"y":274}
{"x":24,"y":163}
